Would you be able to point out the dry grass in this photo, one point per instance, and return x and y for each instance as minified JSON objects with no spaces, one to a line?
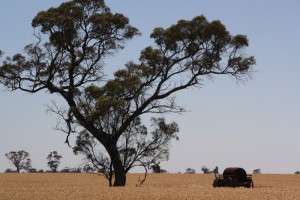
{"x":158,"y":186}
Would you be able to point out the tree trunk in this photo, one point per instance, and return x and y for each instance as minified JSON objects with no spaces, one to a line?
{"x":111,"y":174}
{"x":120,"y":175}
{"x":120,"y":178}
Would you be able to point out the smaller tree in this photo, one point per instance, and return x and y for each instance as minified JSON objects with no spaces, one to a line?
{"x":157,"y":169}
{"x":205,"y":170}
{"x":53,"y":160}
{"x":27,"y":167}
{"x":138,"y":147}
{"x":216,"y":170}
{"x":87,"y":168}
{"x":20,"y":159}
{"x":190,"y":171}
{"x":256,"y":171}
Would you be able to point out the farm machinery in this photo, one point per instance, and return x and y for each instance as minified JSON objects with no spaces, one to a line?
{"x":233,"y":177}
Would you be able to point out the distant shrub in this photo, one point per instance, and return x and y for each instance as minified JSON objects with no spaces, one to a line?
{"x":10,"y":171}
{"x":32,"y":170}
{"x":71,"y":170}
{"x":190,"y":171}
{"x":65,"y":170}
{"x":256,"y":171}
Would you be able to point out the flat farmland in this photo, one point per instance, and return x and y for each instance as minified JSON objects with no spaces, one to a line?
{"x":157,"y":186}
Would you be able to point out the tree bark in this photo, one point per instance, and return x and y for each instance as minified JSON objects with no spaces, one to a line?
{"x":120,"y":175}
{"x":120,"y":178}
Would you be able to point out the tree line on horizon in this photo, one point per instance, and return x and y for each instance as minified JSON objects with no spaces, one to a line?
{"x":21,"y":161}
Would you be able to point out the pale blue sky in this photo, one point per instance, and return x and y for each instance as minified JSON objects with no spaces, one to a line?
{"x":251,"y":125}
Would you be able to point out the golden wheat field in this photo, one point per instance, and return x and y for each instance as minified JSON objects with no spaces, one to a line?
{"x":157,"y":186}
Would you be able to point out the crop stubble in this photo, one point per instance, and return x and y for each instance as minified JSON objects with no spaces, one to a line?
{"x":157,"y":186}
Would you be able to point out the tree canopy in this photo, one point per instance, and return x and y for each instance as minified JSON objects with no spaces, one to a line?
{"x":20,"y":159}
{"x":53,"y":160}
{"x":75,"y":38}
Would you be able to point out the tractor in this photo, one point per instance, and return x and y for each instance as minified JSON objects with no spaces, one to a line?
{"x":233,"y":177}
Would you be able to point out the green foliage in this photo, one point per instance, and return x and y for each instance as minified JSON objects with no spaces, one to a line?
{"x":66,"y":24}
{"x":204,"y":44}
{"x":53,"y":160}
{"x":80,"y":35}
{"x":19,"y":159}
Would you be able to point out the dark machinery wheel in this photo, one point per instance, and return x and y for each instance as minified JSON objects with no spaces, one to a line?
{"x":216,"y":183}
{"x":228,"y":182}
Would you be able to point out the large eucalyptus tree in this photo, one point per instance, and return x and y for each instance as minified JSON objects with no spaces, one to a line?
{"x":67,"y":60}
